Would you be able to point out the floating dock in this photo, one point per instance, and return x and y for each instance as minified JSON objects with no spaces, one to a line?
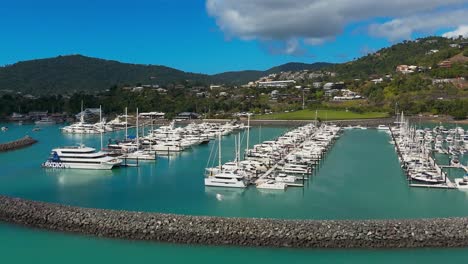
{"x":266,"y":176}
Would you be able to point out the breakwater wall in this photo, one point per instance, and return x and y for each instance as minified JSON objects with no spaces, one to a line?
{"x":17,"y":144}
{"x":204,"y":230}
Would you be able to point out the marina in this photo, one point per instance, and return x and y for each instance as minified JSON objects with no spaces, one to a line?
{"x":416,"y":150}
{"x":351,"y":166}
{"x":234,"y":131}
{"x":184,"y":173}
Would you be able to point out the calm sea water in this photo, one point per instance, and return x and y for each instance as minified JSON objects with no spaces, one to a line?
{"x":360,"y":178}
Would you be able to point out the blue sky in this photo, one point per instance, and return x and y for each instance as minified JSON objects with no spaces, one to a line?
{"x":204,"y":35}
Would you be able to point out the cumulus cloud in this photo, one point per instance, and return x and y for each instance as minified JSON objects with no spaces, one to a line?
{"x":317,"y":21}
{"x":460,"y":31}
{"x":292,"y":47}
{"x":403,"y":28}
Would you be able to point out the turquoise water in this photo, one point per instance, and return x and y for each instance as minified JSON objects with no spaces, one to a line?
{"x":27,"y":246}
{"x":360,"y":178}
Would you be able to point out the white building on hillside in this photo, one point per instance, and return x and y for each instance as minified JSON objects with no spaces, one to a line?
{"x":276,"y":84}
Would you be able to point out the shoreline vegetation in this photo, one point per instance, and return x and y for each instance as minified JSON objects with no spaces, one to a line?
{"x":323,"y":115}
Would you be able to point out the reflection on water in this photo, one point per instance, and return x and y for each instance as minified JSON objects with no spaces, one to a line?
{"x":271,"y":192}
{"x":67,"y":178}
{"x":223,"y":194}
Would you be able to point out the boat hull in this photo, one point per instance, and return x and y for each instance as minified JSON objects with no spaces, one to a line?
{"x":229,"y":184}
{"x":81,"y":166}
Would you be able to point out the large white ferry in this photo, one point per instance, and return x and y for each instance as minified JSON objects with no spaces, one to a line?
{"x":80,"y":157}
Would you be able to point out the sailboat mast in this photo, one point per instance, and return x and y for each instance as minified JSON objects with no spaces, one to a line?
{"x":235,"y":148}
{"x":137,"y":142}
{"x":82,"y":114}
{"x":81,"y":121}
{"x":126,"y":123}
{"x":248,"y":130}
{"x":100,"y":122}
{"x":219,"y":150}
{"x":316,"y":115}
{"x":238,"y":149}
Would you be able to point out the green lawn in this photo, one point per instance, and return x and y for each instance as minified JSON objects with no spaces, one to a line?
{"x":322,"y":114}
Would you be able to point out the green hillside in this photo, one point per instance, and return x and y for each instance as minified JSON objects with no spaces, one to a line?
{"x":68,"y":74}
{"x":296,"y":66}
{"x":243,"y":77}
{"x":238,"y":77}
{"x":74,"y":73}
{"x":384,"y":61}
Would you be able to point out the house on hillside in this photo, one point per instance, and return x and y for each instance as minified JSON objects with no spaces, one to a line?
{"x":432,"y":51}
{"x":152,"y":115}
{"x":347,"y":95}
{"x":187,"y":116}
{"x":29,"y":96}
{"x":276,"y":84}
{"x":213,"y":86}
{"x":37,"y":115}
{"x":339,"y":85}
{"x":274,"y":94}
{"x":161,"y":90}
{"x":331,"y":92}
{"x":328,"y":86}
{"x":405,"y":69}
{"x":201,"y":94}
{"x":317,"y":85}
{"x":445,"y":64}
{"x":138,"y":89}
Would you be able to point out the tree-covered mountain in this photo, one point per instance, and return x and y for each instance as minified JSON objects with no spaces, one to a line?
{"x":243,"y":77}
{"x":297,"y":66}
{"x":69,"y":74}
{"x":238,"y":77}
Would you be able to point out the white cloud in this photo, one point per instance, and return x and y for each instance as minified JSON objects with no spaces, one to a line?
{"x":460,"y":31}
{"x":292,"y":47}
{"x":403,"y":28}
{"x":317,"y":21}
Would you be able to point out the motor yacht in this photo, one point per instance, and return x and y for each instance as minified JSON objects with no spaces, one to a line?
{"x":81,"y":157}
{"x":46,"y":121}
{"x":272,"y":185}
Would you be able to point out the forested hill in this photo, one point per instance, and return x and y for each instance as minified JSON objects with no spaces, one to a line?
{"x":243,"y":77}
{"x":296,"y":66}
{"x":68,"y":74}
{"x":384,"y":61}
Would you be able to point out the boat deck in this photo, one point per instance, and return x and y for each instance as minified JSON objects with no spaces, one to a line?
{"x":448,"y":185}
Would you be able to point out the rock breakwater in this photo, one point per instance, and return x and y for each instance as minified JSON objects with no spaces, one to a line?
{"x":17,"y":144}
{"x":204,"y":230}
